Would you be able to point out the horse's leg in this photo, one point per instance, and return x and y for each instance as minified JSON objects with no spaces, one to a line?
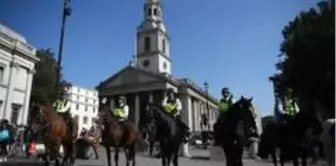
{"x":126,"y":149}
{"x":47,"y":155}
{"x":66,"y":153}
{"x":175,"y":157}
{"x":131,"y":153}
{"x":151,"y":145}
{"x":108,"y":154}
{"x":163,"y":155}
{"x":274,"y":156}
{"x":227,"y":156}
{"x":116,"y":156}
{"x":72,"y":152}
{"x":303,"y":156}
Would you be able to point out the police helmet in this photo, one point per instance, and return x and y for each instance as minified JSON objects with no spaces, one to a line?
{"x":104,"y":100}
{"x":122,"y":98}
{"x":170,"y":90}
{"x":225,"y":90}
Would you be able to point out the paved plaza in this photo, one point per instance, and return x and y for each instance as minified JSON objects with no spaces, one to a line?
{"x":143,"y":160}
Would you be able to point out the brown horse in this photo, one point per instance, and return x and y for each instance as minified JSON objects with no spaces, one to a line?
{"x":118,"y":135}
{"x":54,"y":135}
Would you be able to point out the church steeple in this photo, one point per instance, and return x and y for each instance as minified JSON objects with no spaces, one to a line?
{"x":152,"y":41}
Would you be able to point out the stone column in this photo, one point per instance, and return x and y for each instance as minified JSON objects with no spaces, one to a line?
{"x":187,"y":119}
{"x":137,"y":109}
{"x":25,"y":110}
{"x":11,"y":84}
{"x":112,"y":104}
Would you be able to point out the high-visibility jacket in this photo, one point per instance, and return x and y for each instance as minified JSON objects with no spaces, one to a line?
{"x":121,"y":112}
{"x":61,"y":106}
{"x":289,"y":106}
{"x":224,"y":105}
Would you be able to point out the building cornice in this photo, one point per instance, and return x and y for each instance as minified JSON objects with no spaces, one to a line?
{"x":18,"y":47}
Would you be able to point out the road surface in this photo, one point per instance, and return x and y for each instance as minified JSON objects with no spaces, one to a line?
{"x":142,"y":160}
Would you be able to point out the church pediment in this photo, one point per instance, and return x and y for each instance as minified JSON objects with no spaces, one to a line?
{"x":130,"y":76}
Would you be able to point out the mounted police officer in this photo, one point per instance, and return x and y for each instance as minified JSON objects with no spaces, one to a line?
{"x":62,"y":107}
{"x":225,"y":102}
{"x":122,"y":110}
{"x":173,"y":106}
{"x":287,"y":108}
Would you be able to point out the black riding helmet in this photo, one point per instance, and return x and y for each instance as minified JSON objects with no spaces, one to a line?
{"x":170,"y":90}
{"x":122,"y":98}
{"x":225,"y":90}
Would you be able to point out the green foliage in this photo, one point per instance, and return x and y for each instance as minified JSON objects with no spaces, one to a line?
{"x":43,"y":88}
{"x":308,"y":50}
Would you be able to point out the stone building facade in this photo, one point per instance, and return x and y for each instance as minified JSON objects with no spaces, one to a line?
{"x":17,"y":62}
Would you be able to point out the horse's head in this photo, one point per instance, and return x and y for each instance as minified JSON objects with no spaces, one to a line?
{"x":104,"y":117}
{"x":244,"y":111}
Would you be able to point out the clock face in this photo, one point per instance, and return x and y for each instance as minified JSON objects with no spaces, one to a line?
{"x":146,"y":63}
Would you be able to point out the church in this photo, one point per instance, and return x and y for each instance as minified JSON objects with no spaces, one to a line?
{"x":149,"y":75}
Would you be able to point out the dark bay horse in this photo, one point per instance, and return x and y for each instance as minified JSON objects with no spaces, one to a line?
{"x":118,"y":135}
{"x":290,"y":138}
{"x":233,"y":129}
{"x":169,"y":134}
{"x":53,"y":130}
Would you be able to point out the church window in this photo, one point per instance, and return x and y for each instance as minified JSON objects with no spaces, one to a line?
{"x":163,"y":45}
{"x":146,"y":63}
{"x":155,"y":12}
{"x":149,"y":12}
{"x":147,"y":43}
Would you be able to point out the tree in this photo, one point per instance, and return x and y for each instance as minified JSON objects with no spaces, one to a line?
{"x":44,"y":81}
{"x":308,"y":50}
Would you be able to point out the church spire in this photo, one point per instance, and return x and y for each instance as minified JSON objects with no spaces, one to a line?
{"x":152,"y":41}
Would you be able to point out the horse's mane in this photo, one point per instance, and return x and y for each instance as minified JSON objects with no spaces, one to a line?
{"x":106,"y":112}
{"x":48,"y":110}
{"x":159,"y":110}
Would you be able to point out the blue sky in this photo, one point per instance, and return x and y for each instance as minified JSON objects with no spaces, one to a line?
{"x":226,"y":42}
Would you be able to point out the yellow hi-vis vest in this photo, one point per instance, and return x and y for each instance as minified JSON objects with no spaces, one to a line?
{"x":60,"y":105}
{"x":119,"y":112}
{"x":289,"y":107}
{"x":169,"y":107}
{"x":224,"y":105}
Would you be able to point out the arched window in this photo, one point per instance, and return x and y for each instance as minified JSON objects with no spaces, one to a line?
{"x":147,"y":44}
{"x":163,"y":45}
{"x":155,"y":11}
{"x":149,"y":11}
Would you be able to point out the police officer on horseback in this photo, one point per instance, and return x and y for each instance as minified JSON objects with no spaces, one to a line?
{"x":173,"y":106}
{"x":62,"y":107}
{"x":225,"y":102}
{"x":122,"y":110}
{"x":287,"y":108}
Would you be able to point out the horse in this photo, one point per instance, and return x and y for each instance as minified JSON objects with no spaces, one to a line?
{"x":54,"y":133}
{"x":118,"y":135}
{"x":233,"y":128}
{"x":169,"y":133}
{"x":290,"y":138}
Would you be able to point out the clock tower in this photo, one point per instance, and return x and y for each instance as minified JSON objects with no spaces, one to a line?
{"x":152,"y":41}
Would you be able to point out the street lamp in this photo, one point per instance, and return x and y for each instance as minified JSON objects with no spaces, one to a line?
{"x":206,"y":86}
{"x":66,"y":12}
